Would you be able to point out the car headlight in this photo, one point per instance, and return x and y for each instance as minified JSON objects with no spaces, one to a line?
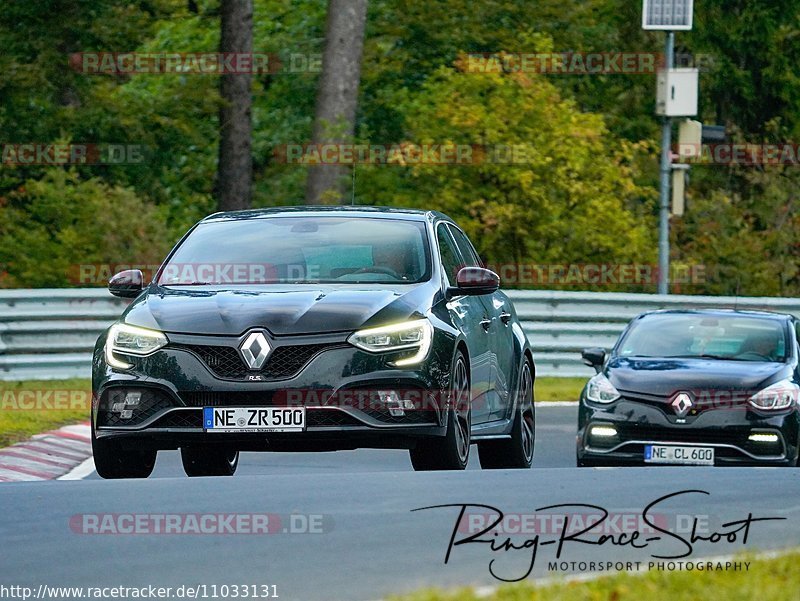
{"x":779,"y":395}
{"x":131,"y":340}
{"x":600,"y":390}
{"x":415,"y":334}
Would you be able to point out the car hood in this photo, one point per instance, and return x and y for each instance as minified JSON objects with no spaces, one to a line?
{"x":292,"y":309}
{"x":664,"y":377}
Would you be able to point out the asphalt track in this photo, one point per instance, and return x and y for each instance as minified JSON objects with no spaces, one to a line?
{"x":372,"y":544}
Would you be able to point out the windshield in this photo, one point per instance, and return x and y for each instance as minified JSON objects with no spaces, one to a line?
{"x":716,"y":337}
{"x":301,"y":250}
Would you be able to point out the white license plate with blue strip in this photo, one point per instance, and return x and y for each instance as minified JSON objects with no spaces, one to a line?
{"x":678,"y":455}
{"x":254,"y":419}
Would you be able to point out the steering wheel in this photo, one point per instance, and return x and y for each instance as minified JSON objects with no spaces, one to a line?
{"x":378,"y":269}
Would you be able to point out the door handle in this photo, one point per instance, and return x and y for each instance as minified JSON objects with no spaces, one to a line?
{"x":486,"y":322}
{"x":505,"y":317}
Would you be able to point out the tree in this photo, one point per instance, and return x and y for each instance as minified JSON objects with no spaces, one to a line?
{"x":545,"y":183}
{"x":337,"y":97}
{"x":235,"y":171}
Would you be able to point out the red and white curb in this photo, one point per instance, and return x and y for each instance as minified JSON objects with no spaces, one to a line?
{"x":65,"y":453}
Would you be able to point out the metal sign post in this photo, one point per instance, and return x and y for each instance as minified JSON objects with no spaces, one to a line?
{"x":666,"y":174}
{"x":669,"y":16}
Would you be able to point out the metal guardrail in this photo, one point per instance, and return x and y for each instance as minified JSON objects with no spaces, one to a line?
{"x":50,"y":334}
{"x":560,"y":324}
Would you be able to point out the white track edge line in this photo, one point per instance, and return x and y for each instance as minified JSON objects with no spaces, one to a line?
{"x":80,"y":471}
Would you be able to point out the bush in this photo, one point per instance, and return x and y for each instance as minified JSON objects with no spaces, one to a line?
{"x":52,"y":226}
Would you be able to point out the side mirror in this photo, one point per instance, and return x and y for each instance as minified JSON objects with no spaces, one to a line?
{"x":474,"y":281}
{"x":126,"y":284}
{"x":594,"y":357}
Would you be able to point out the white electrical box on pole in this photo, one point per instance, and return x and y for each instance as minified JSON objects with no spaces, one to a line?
{"x":676,"y":92}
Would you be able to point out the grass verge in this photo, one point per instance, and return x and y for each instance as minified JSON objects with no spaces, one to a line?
{"x":766,"y":580}
{"x":32,"y":407}
{"x":558,"y":389}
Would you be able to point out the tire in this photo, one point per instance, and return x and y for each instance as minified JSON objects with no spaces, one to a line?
{"x":209,"y":461}
{"x":450,"y":452}
{"x":515,"y":452}
{"x":112,"y":462}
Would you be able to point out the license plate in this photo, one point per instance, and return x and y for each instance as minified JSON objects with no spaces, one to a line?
{"x":254,"y":419}
{"x":678,"y":455}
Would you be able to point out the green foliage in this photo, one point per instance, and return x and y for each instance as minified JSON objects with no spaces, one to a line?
{"x":753,"y":47}
{"x":756,"y":227}
{"x":569,"y":198}
{"x":586,"y":194}
{"x":52,"y":226}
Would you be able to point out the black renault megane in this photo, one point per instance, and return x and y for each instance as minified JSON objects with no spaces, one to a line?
{"x":710,"y":387}
{"x":314,"y":329}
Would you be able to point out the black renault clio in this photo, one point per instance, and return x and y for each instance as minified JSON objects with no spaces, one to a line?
{"x":705,"y":387}
{"x":314,"y":329}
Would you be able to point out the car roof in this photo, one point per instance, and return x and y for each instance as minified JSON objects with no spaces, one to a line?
{"x":719,"y":312}
{"x":324,"y":211}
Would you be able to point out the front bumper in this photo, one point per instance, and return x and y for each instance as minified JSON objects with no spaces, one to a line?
{"x":340,"y":386}
{"x":728,"y":431}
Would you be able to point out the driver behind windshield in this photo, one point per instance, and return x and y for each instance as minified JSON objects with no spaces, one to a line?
{"x":397,"y":258}
{"x":761,"y":345}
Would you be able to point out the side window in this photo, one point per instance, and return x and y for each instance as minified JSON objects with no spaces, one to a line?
{"x":471,"y":258}
{"x":451,"y":262}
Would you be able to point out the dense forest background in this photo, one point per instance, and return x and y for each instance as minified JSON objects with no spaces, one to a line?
{"x":588,"y":194}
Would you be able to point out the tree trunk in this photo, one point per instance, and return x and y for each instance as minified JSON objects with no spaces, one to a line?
{"x":337,"y":97}
{"x":235,"y":169}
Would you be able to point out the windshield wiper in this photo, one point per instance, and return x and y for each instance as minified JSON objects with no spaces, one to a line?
{"x":706,"y":356}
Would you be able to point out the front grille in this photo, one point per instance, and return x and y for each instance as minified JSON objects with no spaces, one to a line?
{"x":151,"y":402}
{"x":180,"y":419}
{"x":737,"y":437}
{"x":316,"y":418}
{"x":283,"y":362}
{"x":702,"y":401}
{"x":227,"y":399}
{"x":650,"y":433}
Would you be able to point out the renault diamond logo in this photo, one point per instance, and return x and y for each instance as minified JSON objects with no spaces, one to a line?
{"x":682,"y":403}
{"x":255,"y":350}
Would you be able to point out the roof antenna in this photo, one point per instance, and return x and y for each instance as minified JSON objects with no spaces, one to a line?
{"x":353,"y":197}
{"x":736,"y":298}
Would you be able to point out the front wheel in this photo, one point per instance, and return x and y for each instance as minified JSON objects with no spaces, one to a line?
{"x":452,"y":451}
{"x":112,"y":461}
{"x":515,"y":452}
{"x":209,"y":461}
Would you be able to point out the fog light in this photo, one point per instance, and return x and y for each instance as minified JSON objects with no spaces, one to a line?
{"x":127,"y":414}
{"x":117,"y":407}
{"x":603,"y":431}
{"x":133,"y":398}
{"x":767,"y":438}
{"x":397,"y":407}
